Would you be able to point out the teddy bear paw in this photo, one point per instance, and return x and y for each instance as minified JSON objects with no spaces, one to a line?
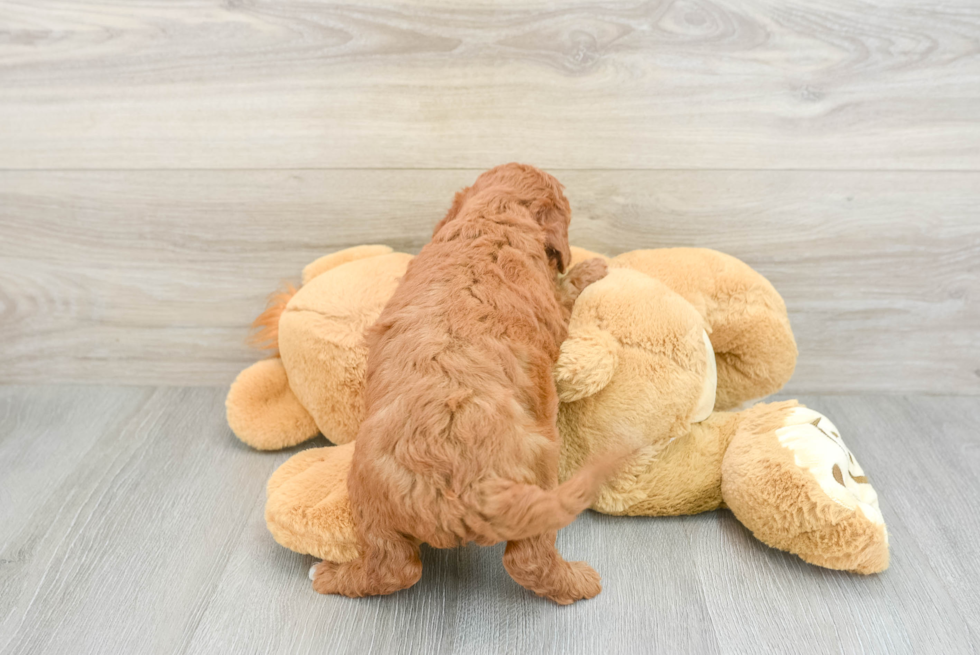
{"x":790,"y":479}
{"x":817,"y":446}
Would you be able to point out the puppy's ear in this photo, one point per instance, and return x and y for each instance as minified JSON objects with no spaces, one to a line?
{"x":458,"y":201}
{"x":555,"y":223}
{"x":588,"y":360}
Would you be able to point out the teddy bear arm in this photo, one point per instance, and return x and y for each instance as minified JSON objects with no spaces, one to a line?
{"x":263,"y":411}
{"x":755,"y":354}
{"x":586,"y":364}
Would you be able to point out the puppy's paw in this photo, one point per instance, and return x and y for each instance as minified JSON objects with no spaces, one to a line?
{"x":578,"y":582}
{"x":585,"y":273}
{"x":324,"y":577}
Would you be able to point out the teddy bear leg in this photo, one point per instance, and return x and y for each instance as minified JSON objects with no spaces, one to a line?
{"x":789,"y":478}
{"x":750,"y":331}
{"x":308,"y":509}
{"x":535,"y":564}
{"x":263,"y":411}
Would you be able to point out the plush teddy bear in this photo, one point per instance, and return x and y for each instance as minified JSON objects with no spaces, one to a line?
{"x":664,"y":346}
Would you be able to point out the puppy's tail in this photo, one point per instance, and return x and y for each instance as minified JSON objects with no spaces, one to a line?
{"x":514,"y":510}
{"x":265,"y":328}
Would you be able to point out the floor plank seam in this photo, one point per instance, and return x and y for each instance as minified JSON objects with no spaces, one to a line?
{"x":702,"y":589}
{"x":219,"y":577}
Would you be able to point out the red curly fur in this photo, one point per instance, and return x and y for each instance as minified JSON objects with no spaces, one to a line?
{"x":265,"y":328}
{"x":459,"y":443}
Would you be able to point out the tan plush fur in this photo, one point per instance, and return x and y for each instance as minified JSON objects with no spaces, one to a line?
{"x":310,"y":489}
{"x":335,"y":259}
{"x":635,"y":358}
{"x":648,"y":335}
{"x":263,"y":410}
{"x":754,"y":346}
{"x":320,"y":339}
{"x":265,"y":335}
{"x":785,"y":507}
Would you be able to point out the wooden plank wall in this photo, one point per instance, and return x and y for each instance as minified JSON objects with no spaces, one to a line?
{"x":164,"y":165}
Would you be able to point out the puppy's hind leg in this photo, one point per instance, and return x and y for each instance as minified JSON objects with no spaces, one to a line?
{"x":536,"y":564}
{"x":388,"y":563}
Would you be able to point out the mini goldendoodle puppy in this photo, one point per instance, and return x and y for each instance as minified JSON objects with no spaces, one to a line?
{"x":459,"y":442}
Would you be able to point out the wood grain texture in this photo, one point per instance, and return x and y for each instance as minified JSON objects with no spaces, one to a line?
{"x":125,"y":539}
{"x":154,"y":276}
{"x":835,"y":84}
{"x":150,"y":538}
{"x":34,"y":448}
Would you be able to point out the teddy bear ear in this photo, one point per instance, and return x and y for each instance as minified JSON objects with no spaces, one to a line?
{"x":587,"y":363}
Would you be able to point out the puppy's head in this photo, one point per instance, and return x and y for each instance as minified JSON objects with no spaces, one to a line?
{"x":540,"y":192}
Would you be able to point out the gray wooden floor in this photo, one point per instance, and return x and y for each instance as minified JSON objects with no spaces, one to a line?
{"x":131,"y":522}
